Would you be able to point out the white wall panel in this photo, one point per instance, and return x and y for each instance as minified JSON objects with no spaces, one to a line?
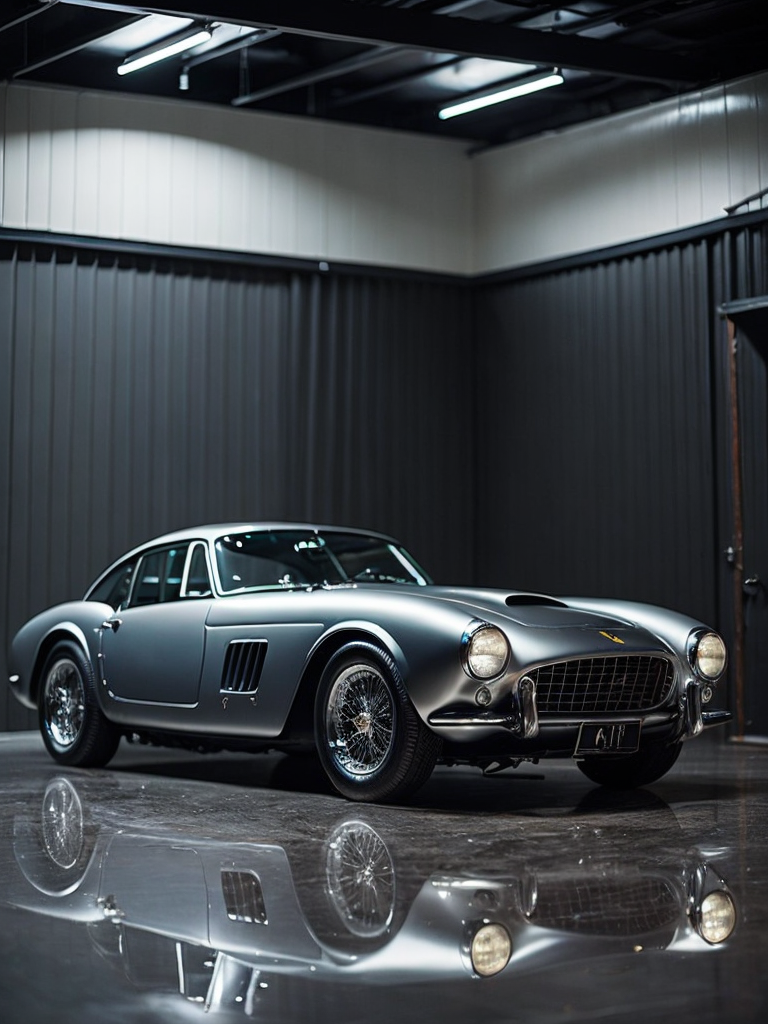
{"x":178,"y":173}
{"x":16,"y":162}
{"x":63,"y":166}
{"x":183,"y":174}
{"x":646,"y":172}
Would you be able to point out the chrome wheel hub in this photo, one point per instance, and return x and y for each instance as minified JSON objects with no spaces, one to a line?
{"x":64,"y":706}
{"x":363,"y":722}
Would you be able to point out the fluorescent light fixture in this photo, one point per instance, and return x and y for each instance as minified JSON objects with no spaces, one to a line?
{"x":501,"y":96}
{"x":166,"y":48}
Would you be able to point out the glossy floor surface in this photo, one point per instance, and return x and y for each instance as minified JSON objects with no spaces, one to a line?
{"x":175,"y":887}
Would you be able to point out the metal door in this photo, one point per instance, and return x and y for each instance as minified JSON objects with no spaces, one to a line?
{"x":748,"y":335}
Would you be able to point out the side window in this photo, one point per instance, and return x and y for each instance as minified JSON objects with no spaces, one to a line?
{"x":198,"y":581}
{"x":113,"y":589}
{"x":158,"y":577}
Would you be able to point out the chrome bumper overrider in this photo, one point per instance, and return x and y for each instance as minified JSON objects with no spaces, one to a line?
{"x":694,"y":718}
{"x":521,"y":718}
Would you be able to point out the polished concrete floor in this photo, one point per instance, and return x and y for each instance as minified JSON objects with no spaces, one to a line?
{"x":175,"y":887}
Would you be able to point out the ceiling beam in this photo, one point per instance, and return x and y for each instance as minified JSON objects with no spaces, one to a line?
{"x":377,"y":26}
{"x":26,"y":17}
{"x":55,"y":51}
{"x":342,"y":67}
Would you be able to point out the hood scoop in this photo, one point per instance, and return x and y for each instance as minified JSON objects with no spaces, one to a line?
{"x":526,"y":600}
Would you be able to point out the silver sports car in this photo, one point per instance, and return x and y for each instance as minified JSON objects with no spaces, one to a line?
{"x":297,"y":637}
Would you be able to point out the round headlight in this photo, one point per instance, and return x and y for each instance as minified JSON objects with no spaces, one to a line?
{"x":486,"y":652}
{"x":717,"y":918}
{"x":708,"y":655}
{"x":491,"y":950}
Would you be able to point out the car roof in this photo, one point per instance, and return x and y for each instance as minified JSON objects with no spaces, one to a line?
{"x":212,"y":531}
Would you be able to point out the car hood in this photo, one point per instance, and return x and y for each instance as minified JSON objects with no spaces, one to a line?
{"x":537,"y":611}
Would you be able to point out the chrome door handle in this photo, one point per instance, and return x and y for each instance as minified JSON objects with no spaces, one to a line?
{"x":113,"y":624}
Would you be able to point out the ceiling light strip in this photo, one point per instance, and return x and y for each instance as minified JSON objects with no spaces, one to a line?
{"x":511,"y":93}
{"x":179,"y":44}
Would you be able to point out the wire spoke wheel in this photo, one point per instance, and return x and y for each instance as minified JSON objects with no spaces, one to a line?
{"x":72,"y":725}
{"x":369,"y":737}
{"x":64,"y":703}
{"x":62,"y":821}
{"x":361,"y":879}
{"x":360,"y":719}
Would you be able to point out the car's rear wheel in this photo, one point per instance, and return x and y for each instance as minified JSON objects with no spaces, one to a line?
{"x":631,"y":770}
{"x":73,"y":728}
{"x":370,"y":739}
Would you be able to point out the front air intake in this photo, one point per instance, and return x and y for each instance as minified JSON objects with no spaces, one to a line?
{"x":589,"y":686}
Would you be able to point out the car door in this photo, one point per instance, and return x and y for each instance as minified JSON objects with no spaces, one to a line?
{"x":152,"y":647}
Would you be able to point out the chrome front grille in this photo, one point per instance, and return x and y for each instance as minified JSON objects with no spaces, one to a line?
{"x":589,"y":686}
{"x":615,"y":907}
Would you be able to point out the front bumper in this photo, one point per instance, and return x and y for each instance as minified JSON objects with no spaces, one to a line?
{"x":542,"y":735}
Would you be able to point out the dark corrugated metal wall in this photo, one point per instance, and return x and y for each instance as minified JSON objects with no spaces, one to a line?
{"x":138,"y":396}
{"x":603,"y":425}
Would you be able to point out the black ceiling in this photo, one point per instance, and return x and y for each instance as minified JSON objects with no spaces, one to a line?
{"x":395,"y":63}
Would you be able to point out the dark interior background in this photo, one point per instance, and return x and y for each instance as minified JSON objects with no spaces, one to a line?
{"x":562,"y":428}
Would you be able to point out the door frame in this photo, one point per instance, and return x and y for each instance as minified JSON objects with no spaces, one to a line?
{"x":735,"y":313}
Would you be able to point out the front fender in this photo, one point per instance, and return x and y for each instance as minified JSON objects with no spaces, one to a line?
{"x":425,"y":645}
{"x":339,"y":634}
{"x":77,"y":621}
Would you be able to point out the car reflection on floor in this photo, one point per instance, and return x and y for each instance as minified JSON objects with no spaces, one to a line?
{"x":222,"y":924}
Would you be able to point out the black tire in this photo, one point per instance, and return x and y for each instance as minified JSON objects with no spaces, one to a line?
{"x":370,"y":740}
{"x":632,"y":770}
{"x":74,"y":730}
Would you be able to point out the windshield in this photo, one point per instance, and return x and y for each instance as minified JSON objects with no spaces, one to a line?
{"x":300,"y":558}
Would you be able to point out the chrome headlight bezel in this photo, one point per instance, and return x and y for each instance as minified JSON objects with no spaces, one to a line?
{"x":496,"y":654}
{"x":712,"y":908}
{"x":698,"y":641}
{"x":488,"y":948}
{"x":714,"y":917}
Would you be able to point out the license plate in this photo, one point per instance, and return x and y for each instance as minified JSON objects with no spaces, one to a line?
{"x":608,"y":738}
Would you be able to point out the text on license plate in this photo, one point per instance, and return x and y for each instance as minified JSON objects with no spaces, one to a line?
{"x":608,"y":738}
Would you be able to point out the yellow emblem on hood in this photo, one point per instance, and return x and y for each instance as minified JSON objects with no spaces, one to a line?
{"x":610,"y":636}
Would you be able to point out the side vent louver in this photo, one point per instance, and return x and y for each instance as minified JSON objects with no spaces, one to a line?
{"x":243,"y":662}
{"x":243,"y":897}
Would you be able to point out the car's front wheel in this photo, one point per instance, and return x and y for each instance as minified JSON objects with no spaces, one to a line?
{"x":642,"y":768}
{"x":370,"y":739}
{"x":73,"y":728}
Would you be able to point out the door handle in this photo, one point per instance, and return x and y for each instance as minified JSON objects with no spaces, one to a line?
{"x":752,"y":585}
{"x":113,"y":624}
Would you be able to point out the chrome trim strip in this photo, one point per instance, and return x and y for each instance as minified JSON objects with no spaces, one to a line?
{"x":710,"y":718}
{"x":479,"y":718}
